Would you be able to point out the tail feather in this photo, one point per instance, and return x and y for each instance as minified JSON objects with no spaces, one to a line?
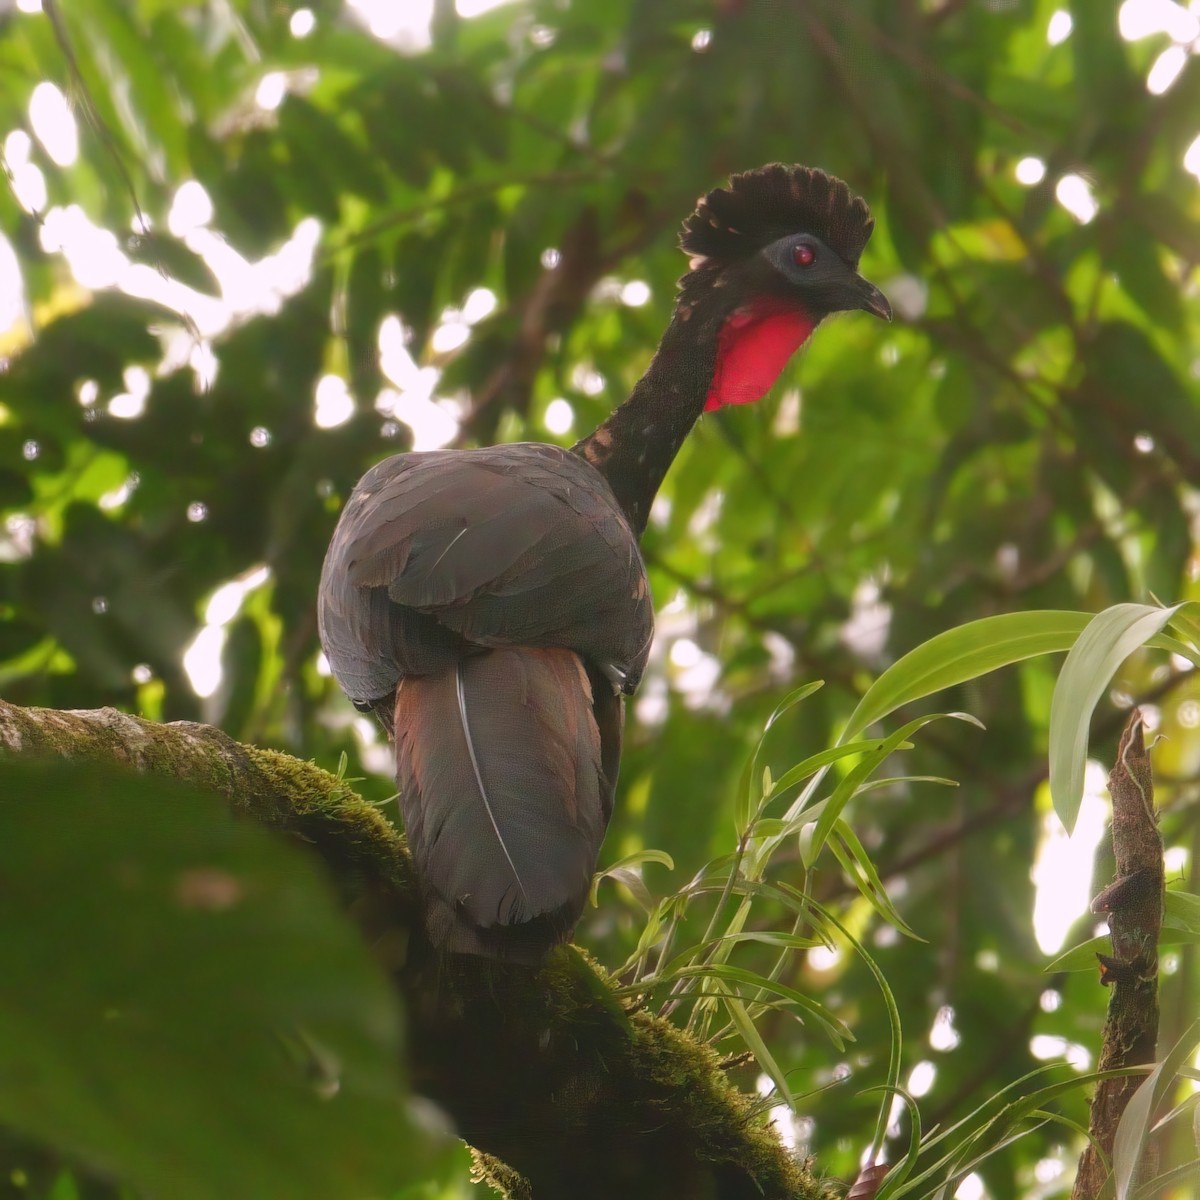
{"x":464,"y":718}
{"x":500,"y":767}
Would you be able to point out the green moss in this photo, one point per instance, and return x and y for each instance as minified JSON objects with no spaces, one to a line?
{"x":295,"y":790}
{"x":499,"y":1176}
{"x":723,"y":1120}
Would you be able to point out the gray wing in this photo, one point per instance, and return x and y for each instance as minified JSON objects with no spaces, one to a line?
{"x":512,"y":545}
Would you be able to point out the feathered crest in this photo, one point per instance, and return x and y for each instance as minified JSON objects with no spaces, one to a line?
{"x":761,"y":206}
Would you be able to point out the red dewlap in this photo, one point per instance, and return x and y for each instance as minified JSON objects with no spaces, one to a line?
{"x":753,"y":348}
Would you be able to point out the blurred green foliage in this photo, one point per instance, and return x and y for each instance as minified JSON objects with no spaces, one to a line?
{"x":183,"y":946}
{"x":1025,"y":435}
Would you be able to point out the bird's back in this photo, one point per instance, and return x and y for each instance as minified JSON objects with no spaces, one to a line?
{"x":491,"y":605}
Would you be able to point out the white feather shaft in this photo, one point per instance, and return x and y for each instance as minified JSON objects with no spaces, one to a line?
{"x":466,"y":725}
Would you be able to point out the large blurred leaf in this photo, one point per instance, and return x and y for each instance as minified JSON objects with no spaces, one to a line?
{"x":183,"y":1008}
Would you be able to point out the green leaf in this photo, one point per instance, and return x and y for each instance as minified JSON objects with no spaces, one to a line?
{"x":65,"y":1187}
{"x":1187,"y":1104}
{"x":1187,"y":622}
{"x":623,"y":871}
{"x":634,"y":883}
{"x":1109,"y":639}
{"x":965,"y":653}
{"x":1181,"y":910}
{"x":173,"y":260}
{"x":638,"y":857}
{"x":1083,"y":956}
{"x":784,"y":941}
{"x":1163,"y":641}
{"x":223,"y":1030}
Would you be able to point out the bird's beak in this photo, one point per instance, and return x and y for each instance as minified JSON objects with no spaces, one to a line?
{"x":872,"y":300}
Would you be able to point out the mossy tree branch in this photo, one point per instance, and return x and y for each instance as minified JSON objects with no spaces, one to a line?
{"x":562,"y":1090}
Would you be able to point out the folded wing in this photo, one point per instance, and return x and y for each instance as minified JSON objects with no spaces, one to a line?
{"x":514,"y":545}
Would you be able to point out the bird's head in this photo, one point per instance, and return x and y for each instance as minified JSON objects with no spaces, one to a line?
{"x":770,"y":256}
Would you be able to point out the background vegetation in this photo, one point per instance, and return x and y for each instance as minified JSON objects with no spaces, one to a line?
{"x":449,"y":229}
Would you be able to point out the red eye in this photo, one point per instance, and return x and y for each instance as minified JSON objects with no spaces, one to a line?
{"x":803,"y":256}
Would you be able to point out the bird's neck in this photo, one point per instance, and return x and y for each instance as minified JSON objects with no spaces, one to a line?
{"x":706,"y":359}
{"x":634,"y":448}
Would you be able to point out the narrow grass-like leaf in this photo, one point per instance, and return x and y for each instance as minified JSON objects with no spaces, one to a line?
{"x":1184,"y":1106}
{"x":715,"y":949}
{"x":812,"y":764}
{"x":776,"y":827}
{"x":857,"y":864}
{"x":621,"y":870}
{"x":1158,"y":1186}
{"x":750,"y":888}
{"x":749,"y":1034}
{"x":823,"y":916}
{"x":1130,"y":1139}
{"x":1081,"y":957}
{"x":646,"y":940}
{"x":979,"y":1149}
{"x":791,"y":700}
{"x":1187,"y":623}
{"x":862,"y":770}
{"x":900,"y":1171}
{"x":639,"y":857}
{"x":633,"y":883}
{"x":873,"y":785}
{"x":744,"y":805}
{"x":1163,"y":641}
{"x":838,"y":1031}
{"x":1109,"y":639}
{"x":674,"y":970}
{"x":745,"y":802}
{"x":785,"y":941}
{"x":968,"y":1141}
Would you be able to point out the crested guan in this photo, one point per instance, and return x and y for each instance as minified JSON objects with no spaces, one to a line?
{"x":491,"y":606}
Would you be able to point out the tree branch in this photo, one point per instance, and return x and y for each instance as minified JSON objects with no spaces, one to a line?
{"x":562,"y":1090}
{"x":1133,"y":903}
